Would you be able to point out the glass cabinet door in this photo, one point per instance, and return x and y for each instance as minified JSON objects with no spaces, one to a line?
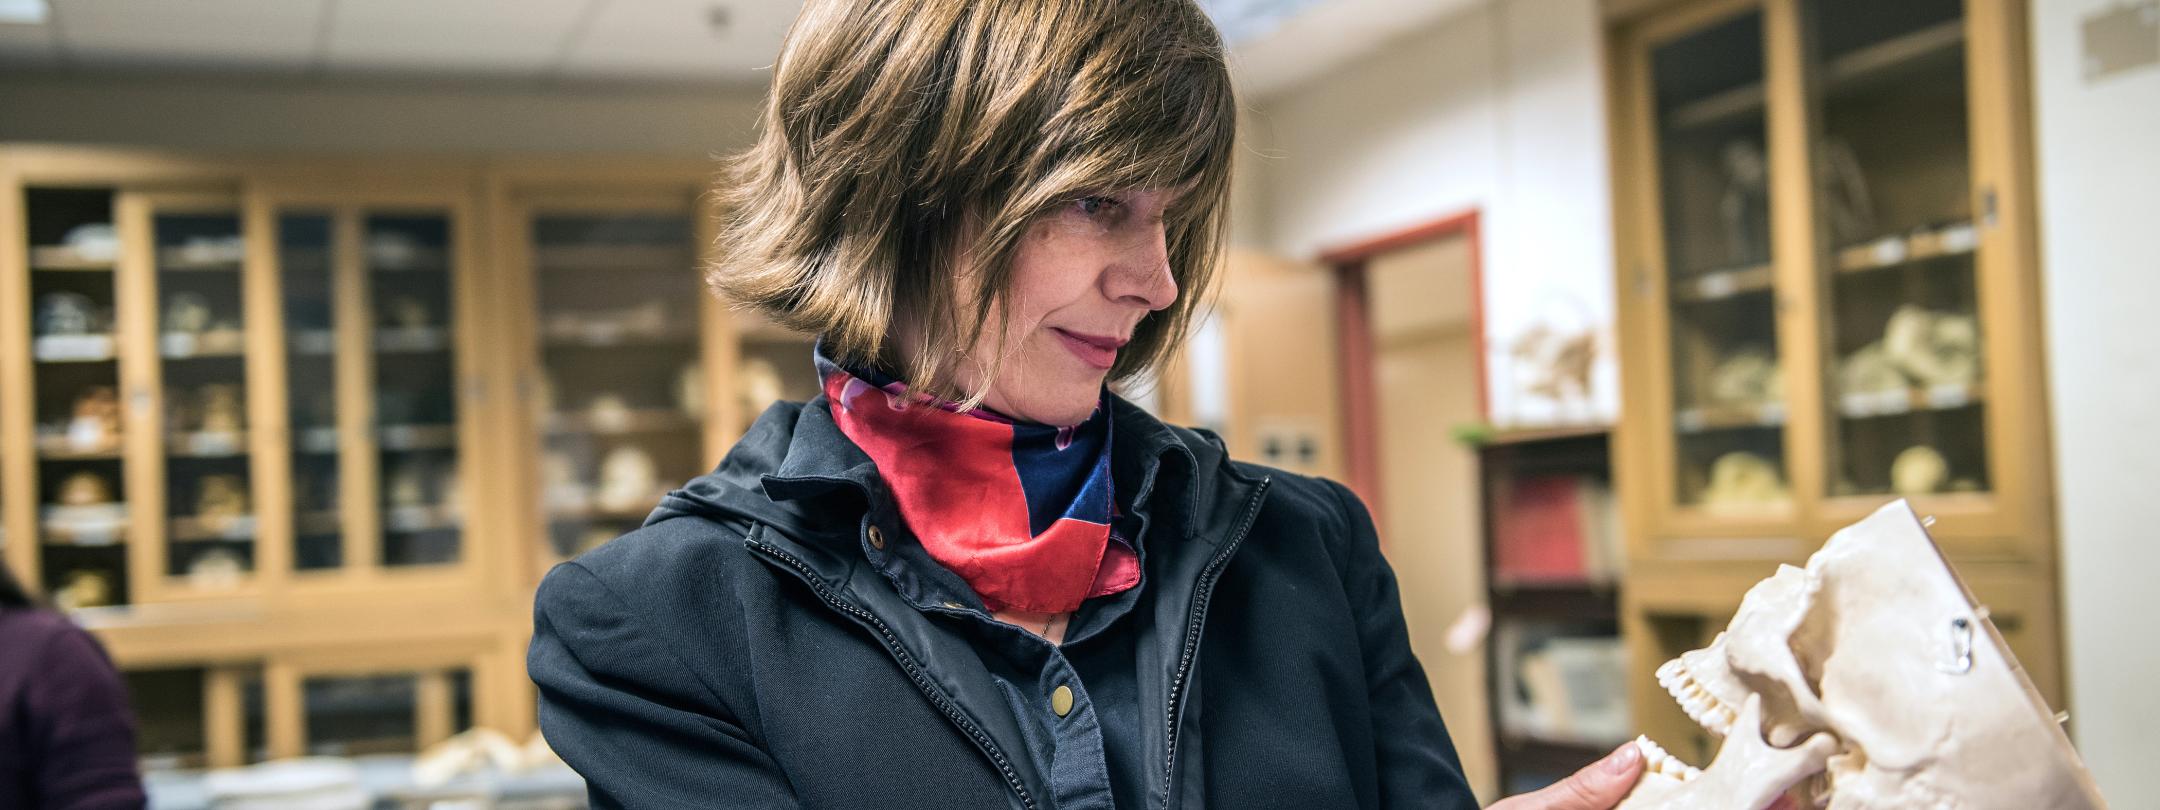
{"x":81,"y":500}
{"x":201,"y":375}
{"x":308,"y":286}
{"x":410,"y":285}
{"x":622,"y":388}
{"x":369,"y":300}
{"x":1893,"y":191}
{"x":1729,"y":411}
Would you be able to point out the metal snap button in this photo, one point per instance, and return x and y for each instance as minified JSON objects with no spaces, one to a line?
{"x":877,"y":539}
{"x":1061,"y":701}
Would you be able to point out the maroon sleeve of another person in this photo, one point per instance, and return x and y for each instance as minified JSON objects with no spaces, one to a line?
{"x":68,"y":720}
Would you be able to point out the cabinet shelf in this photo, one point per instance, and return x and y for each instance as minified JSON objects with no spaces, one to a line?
{"x":207,"y":445}
{"x":1718,"y":285}
{"x":311,"y":341}
{"x":416,"y":437}
{"x":417,"y":261}
{"x":614,"y":258}
{"x":412,"y":340}
{"x":58,"y":448}
{"x":73,"y":349}
{"x":1957,"y":239}
{"x":602,"y":336}
{"x":207,"y":345}
{"x":642,"y":420}
{"x":179,"y":260}
{"x":1868,"y":405}
{"x":65,"y":259}
{"x":1730,"y":417}
{"x":102,"y":524}
{"x":419,"y":518}
{"x":197,"y":529}
{"x":1583,"y":599}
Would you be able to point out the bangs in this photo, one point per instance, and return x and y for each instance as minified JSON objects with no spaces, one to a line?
{"x":1152,"y":109}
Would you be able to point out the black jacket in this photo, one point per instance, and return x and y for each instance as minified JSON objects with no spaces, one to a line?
{"x":738,"y":650}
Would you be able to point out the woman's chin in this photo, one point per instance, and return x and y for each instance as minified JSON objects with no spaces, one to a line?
{"x":1059,"y":410}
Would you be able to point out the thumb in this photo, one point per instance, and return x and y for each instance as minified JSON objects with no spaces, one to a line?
{"x":1598,"y":786}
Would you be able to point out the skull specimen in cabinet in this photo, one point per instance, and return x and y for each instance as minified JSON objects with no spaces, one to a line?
{"x":1871,"y":680}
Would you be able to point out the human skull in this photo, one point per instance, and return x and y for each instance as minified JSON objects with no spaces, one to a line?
{"x":1873,"y":666}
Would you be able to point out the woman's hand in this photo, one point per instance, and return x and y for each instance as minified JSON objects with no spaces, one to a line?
{"x":1598,"y":786}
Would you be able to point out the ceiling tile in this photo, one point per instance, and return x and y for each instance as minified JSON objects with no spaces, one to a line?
{"x":674,"y":39}
{"x":265,"y":33}
{"x":469,"y":36}
{"x":27,"y":46}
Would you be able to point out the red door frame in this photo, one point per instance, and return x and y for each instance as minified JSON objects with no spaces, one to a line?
{"x":1354,"y":349}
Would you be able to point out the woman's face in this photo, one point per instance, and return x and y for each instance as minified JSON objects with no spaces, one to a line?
{"x":1084,"y":276}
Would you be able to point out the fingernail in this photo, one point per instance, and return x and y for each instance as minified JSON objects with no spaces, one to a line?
{"x":1624,"y":759}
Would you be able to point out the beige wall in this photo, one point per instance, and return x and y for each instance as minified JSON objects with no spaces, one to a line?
{"x":2099,"y":194}
{"x":297,"y":115}
{"x":1499,"y":109}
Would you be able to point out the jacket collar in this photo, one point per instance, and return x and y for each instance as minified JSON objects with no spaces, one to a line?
{"x":795,"y":472}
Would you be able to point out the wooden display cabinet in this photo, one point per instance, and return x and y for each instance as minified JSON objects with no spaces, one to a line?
{"x":1825,"y":242}
{"x":633,"y":377}
{"x":276,"y":427}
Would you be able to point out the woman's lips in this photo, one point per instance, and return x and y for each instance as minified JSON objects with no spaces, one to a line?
{"x":1094,"y":350}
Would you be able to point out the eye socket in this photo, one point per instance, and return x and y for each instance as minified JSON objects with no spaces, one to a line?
{"x":1096,"y":205}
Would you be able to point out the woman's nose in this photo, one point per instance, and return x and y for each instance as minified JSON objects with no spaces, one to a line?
{"x":1142,"y":276}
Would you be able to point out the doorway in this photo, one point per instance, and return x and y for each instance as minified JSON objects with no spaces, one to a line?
{"x":1412,"y":374}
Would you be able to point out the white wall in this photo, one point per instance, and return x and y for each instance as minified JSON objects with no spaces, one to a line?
{"x":2099,"y":199}
{"x":297,"y":115}
{"x":1500,"y":109}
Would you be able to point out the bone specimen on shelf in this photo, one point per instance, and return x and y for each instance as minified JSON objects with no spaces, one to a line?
{"x":1871,"y":680}
{"x":1748,"y":377}
{"x":95,"y":424}
{"x":187,"y":313}
{"x":1919,"y":470}
{"x":221,"y":409}
{"x":758,"y":384}
{"x":1933,"y":348}
{"x":1869,"y":371}
{"x":84,"y":488}
{"x":1743,"y":479}
{"x":690,"y":390}
{"x":220,"y":500}
{"x":65,"y":313}
{"x":629,"y":480}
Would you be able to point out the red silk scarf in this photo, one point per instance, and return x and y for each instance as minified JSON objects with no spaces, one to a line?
{"x":1021,"y":511}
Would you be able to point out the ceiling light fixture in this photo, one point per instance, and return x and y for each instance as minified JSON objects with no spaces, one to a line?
{"x":24,"y":12}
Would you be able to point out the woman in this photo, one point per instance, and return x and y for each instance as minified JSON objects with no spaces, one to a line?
{"x":967,"y":576}
{"x":67,"y":738}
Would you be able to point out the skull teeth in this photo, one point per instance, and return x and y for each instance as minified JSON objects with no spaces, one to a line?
{"x":1656,"y":760}
{"x":1701,"y":706}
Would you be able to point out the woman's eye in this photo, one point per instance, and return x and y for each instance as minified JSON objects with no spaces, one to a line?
{"x":1094,"y":206}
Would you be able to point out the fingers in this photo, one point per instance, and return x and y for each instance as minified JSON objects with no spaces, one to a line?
{"x":1598,"y":786}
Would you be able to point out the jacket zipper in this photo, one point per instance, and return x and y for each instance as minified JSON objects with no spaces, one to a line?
{"x":907,"y":664}
{"x":1200,"y":597}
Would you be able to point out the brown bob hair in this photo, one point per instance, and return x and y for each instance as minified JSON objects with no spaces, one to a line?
{"x":906,"y":146}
